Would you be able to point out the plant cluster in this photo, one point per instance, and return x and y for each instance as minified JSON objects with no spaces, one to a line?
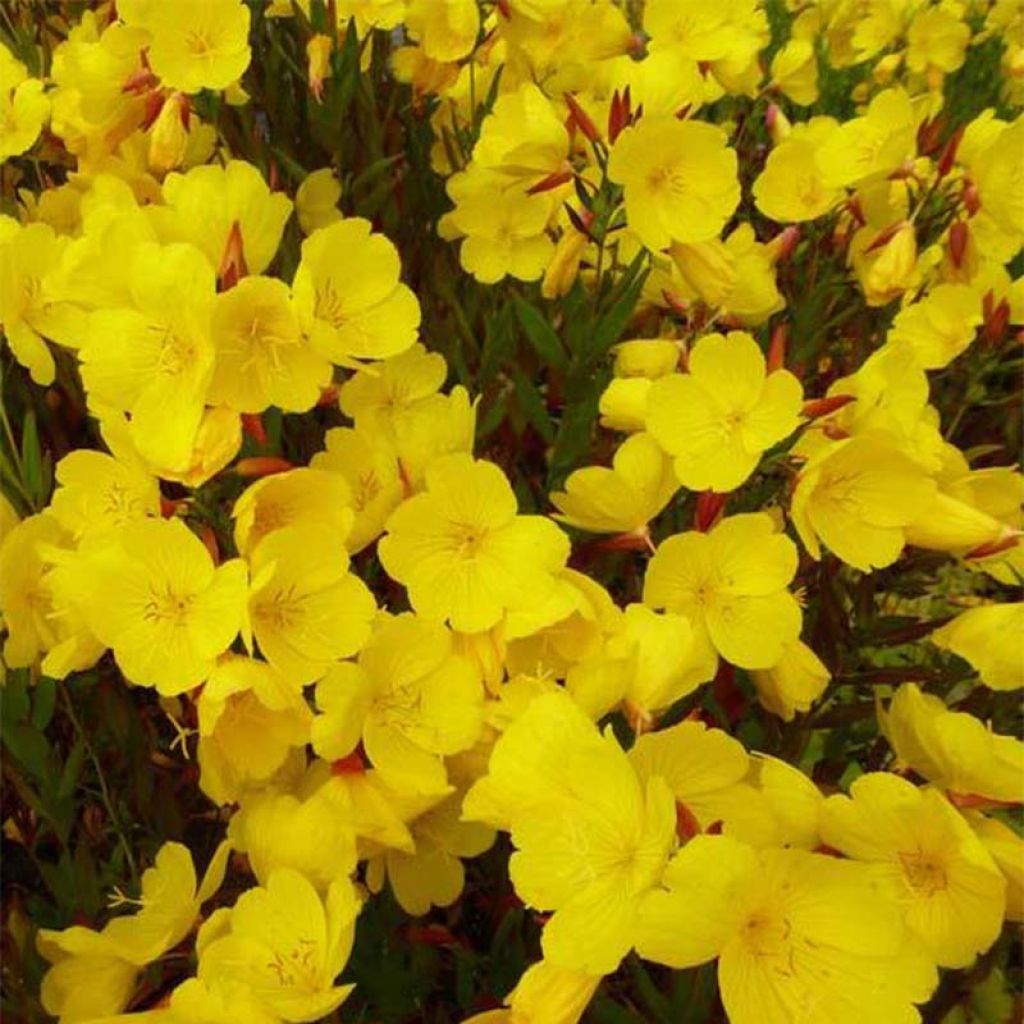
{"x":524,"y":493}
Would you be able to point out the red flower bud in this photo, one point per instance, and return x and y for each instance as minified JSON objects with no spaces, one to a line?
{"x":710,"y":506}
{"x":777,"y":347}
{"x":581,"y":119}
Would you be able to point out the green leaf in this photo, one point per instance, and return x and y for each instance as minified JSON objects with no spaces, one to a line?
{"x":44,"y":697}
{"x":72,"y":770}
{"x":32,"y":461}
{"x":533,"y":405}
{"x":541,"y":335}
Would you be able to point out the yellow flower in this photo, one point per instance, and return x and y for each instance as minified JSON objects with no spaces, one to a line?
{"x":367,"y":461}
{"x":937,"y":40}
{"x":623,"y":499}
{"x":940,"y":326}
{"x":196,"y":44}
{"x":857,"y":496}
{"x":464,"y":554}
{"x":793,"y":684}
{"x":156,"y":599}
{"x":698,"y":764}
{"x":736,"y":276}
{"x":410,"y":699}
{"x":952,"y":749}
{"x":888,"y":271}
{"x":307,"y":609}
{"x":590,"y":837}
{"x":431,"y":875}
{"x":794,"y":71}
{"x":374,"y":397}
{"x":26,"y":599}
{"x":1006,"y":848}
{"x":250,"y":720}
{"x":731,"y":584}
{"x":934,"y":866}
{"x":281,"y":830}
{"x":718,"y":418}
{"x":286,"y":945}
{"x":989,"y":637}
{"x":30,"y":296}
{"x":348,"y":296}
{"x":446,"y":30}
{"x":316,"y":200}
{"x":206,"y":205}
{"x":154,"y":359}
{"x":794,"y":187}
{"x":261,"y":357}
{"x":23,"y":107}
{"x":295,"y":498}
{"x":503,"y":227}
{"x":679,"y":180}
{"x":522,"y":139}
{"x":98,"y":493}
{"x":95,"y":973}
{"x":868,"y":147}
{"x":798,"y":936}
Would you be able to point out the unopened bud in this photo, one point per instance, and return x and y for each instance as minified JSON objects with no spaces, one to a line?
{"x":777,"y":123}
{"x":168,"y":137}
{"x":232,"y":262}
{"x":581,"y":119}
{"x":709,"y":510}
{"x":818,"y":407}
{"x":777,"y":347}
{"x":262,"y":465}
{"x":970,"y":198}
{"x":959,"y":237}
{"x":948,"y":157}
{"x":318,"y":55}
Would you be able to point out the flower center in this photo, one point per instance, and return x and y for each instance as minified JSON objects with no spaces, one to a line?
{"x":923,"y":874}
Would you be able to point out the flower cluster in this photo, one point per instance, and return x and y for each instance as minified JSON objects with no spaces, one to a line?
{"x":764,"y":267}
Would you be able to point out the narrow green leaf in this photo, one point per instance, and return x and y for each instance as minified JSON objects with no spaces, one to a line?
{"x":533,"y":405}
{"x":541,"y":335}
{"x":32,"y":460}
{"x":72,"y":770}
{"x":44,"y":697}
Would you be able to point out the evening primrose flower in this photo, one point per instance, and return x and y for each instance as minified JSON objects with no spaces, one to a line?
{"x":95,"y":973}
{"x":857,"y":496}
{"x":717,"y":419}
{"x":464,"y":554}
{"x":951,"y":892}
{"x":261,"y":357}
{"x":446,"y":30}
{"x":953,"y":750}
{"x":731,"y":584}
{"x":195,"y":44}
{"x":590,"y":836}
{"x":503,"y":227}
{"x":31,"y":309}
{"x":306,"y":608}
{"x":24,"y":109}
{"x":316,"y":200}
{"x":98,"y":493}
{"x":250,"y":719}
{"x":369,"y":464}
{"x":286,"y":944}
{"x":154,"y":358}
{"x":410,"y":699}
{"x":348,"y":296}
{"x":939,"y":326}
{"x":431,"y":874}
{"x":623,"y":499}
{"x":157,"y":600}
{"x":210,"y":204}
{"x":297,"y":497}
{"x":989,"y":637}
{"x":26,"y":598}
{"x":679,"y":180}
{"x":392,"y":386}
{"x":793,"y":684}
{"x":796,"y":934}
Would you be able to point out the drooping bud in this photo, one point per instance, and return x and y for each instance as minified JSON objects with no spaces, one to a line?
{"x":959,"y":237}
{"x":581,"y":119}
{"x":318,"y":55}
{"x":777,"y":347}
{"x":232,"y":262}
{"x":709,"y":510}
{"x":252,"y":426}
{"x":948,"y":158}
{"x":168,"y":136}
{"x":777,"y":123}
{"x":262,"y":465}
